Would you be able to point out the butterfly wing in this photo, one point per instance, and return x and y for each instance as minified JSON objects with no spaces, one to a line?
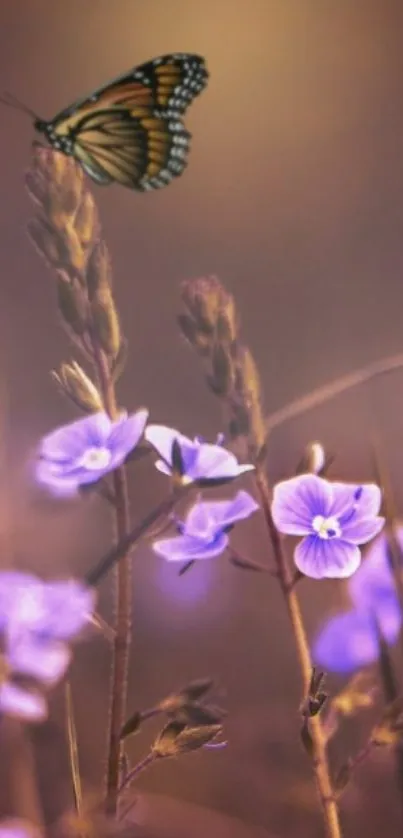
{"x":142,"y":153}
{"x":130,"y":131}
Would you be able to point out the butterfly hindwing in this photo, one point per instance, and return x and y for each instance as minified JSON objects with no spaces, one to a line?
{"x":140,"y":153}
{"x":130,"y":131}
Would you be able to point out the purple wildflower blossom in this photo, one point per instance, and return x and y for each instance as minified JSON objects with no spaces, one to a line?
{"x":16,"y":828}
{"x":334,"y":519}
{"x":37,"y":621}
{"x":204,"y":534}
{"x":83,"y":451}
{"x":201,"y":460}
{"x":349,"y":641}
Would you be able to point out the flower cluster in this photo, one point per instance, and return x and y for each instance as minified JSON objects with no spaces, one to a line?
{"x":349,"y":641}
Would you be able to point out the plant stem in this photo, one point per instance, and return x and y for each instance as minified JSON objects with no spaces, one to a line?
{"x":121,"y":641}
{"x":22,"y":786}
{"x":116,"y":553}
{"x":329,"y":391}
{"x":319,"y":760}
{"x":133,"y":774}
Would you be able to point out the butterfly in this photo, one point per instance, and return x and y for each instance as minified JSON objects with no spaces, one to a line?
{"x":131,"y":131}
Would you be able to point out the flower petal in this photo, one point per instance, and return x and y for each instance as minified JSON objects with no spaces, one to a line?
{"x":297,"y":501}
{"x":162,"y":438}
{"x":213,"y":461}
{"x":59,"y":486}
{"x":70,"y":441}
{"x":346,"y":643}
{"x":183,"y":548}
{"x":69,"y":606}
{"x":127,"y":432}
{"x":366,"y":499}
{"x":220,"y":514}
{"x":361,"y":530}
{"x":322,"y":558}
{"x":16,"y":828}
{"x":22,"y":704}
{"x":45,"y":661}
{"x":12,"y":586}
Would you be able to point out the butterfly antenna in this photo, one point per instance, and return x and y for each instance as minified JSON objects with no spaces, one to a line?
{"x":12,"y":102}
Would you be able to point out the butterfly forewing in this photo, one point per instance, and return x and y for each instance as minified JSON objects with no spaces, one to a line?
{"x":130,"y":131}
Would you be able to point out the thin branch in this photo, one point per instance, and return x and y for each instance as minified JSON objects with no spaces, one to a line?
{"x":324,"y":394}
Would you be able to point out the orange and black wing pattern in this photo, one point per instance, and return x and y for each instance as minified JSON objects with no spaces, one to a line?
{"x":131,"y":131}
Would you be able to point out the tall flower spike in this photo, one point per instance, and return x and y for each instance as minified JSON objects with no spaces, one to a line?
{"x":82,"y":452}
{"x":204,"y":533}
{"x":334,"y":519}
{"x":199,"y":460}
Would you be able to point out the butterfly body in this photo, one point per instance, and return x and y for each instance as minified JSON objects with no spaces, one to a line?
{"x":131,"y":131}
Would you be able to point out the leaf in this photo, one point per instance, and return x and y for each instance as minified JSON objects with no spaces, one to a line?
{"x":177,"y":738}
{"x":131,"y":726}
{"x":196,"y":689}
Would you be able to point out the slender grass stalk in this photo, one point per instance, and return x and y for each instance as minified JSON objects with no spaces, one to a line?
{"x":123,"y":604}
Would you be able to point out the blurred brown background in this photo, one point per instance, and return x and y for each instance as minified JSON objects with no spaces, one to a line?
{"x":293,"y":197}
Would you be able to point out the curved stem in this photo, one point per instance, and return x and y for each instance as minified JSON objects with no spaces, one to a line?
{"x":329,"y":391}
{"x":319,"y":758}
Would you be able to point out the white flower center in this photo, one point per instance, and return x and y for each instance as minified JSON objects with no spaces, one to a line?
{"x":96,"y":458}
{"x":326,"y":527}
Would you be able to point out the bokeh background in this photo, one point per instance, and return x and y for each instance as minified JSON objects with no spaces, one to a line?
{"x":294,"y":198}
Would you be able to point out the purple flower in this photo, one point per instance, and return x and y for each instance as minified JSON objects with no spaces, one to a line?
{"x":82,"y":452}
{"x":350,"y":640}
{"x":200,"y":460}
{"x":334,"y":519}
{"x":37,"y":621}
{"x":347,"y":642}
{"x":16,"y":828}
{"x":204,"y":534}
{"x":21,"y":703}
